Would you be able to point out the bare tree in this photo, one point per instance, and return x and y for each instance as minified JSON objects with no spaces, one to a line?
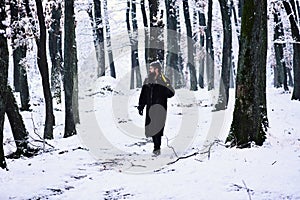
{"x":280,"y":72}
{"x":55,"y":50}
{"x":69,"y":67}
{"x":43,"y":67}
{"x":146,"y":32}
{"x":19,"y":53}
{"x":108,"y":41}
{"x":210,"y":66}
{"x":227,"y":55}
{"x":8,"y":103}
{"x":290,"y":9}
{"x":99,"y":38}
{"x":133,"y":38}
{"x":250,"y":120}
{"x":190,"y":46}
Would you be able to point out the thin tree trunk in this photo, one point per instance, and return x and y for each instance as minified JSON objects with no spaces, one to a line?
{"x":235,"y":17}
{"x":190,"y":46}
{"x":250,"y":120}
{"x":278,"y":46}
{"x":227,"y":55}
{"x":19,"y":55}
{"x":4,"y":55}
{"x":55,"y":50}
{"x":146,"y":30}
{"x":179,"y":66}
{"x":108,"y":41}
{"x":43,"y":67}
{"x":153,"y":8}
{"x":134,"y":50}
{"x":202,"y":24}
{"x":210,"y":50}
{"x":69,"y":60}
{"x":296,"y":46}
{"x":99,"y":40}
{"x":171,"y":68}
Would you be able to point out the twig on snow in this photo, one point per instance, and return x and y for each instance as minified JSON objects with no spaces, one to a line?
{"x":247,"y":189}
{"x":41,"y":139}
{"x":196,"y":153}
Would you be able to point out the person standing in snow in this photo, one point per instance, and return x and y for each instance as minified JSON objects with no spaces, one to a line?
{"x":154,"y":95}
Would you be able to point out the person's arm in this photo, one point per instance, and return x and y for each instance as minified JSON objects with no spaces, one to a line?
{"x":142,"y":99}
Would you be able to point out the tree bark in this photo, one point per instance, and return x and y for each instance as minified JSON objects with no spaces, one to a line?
{"x":227,"y":55}
{"x":69,"y":60}
{"x":99,"y":40}
{"x":7,"y":101}
{"x":19,"y":56}
{"x":108,"y":42}
{"x":171,"y":68}
{"x":250,"y":120}
{"x":202,"y":24}
{"x":210,"y":50}
{"x":278,"y":46}
{"x":296,"y":47}
{"x":55,"y":50}
{"x":153,"y":8}
{"x":43,"y":67}
{"x":190,"y":63}
{"x":146,"y":30}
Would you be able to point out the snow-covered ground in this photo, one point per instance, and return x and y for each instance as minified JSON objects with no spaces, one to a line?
{"x":110,"y":158}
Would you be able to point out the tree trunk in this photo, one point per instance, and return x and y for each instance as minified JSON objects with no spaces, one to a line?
{"x":153,"y":8}
{"x":7,"y":101}
{"x":278,"y":46}
{"x":210,"y":50}
{"x":235,"y":17}
{"x":108,"y":41}
{"x":250,"y":120}
{"x":171,"y":68}
{"x":178,"y":68}
{"x":190,"y":46}
{"x":4,"y":55}
{"x":133,"y":38}
{"x":19,"y":56}
{"x":296,"y":46}
{"x":227,"y":55}
{"x":146,"y":30}
{"x":55,"y":49}
{"x":43,"y":67}
{"x":241,"y":7}
{"x":99,"y":40}
{"x":202,"y":24}
{"x":69,"y":61}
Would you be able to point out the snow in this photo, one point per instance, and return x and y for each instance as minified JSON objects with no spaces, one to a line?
{"x":110,"y":158}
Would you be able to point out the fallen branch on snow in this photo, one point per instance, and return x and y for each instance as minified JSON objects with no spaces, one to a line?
{"x":197,"y":153}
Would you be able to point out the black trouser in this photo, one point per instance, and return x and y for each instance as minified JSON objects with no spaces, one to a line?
{"x":157,"y":141}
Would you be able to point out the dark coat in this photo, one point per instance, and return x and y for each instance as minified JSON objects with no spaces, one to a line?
{"x":154,"y":96}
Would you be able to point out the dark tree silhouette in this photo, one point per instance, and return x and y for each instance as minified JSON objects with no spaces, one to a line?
{"x":296,"y":47}
{"x":190,"y":46}
{"x":69,"y":67}
{"x":19,"y":54}
{"x":108,"y":41}
{"x":280,"y":72}
{"x":250,"y":120}
{"x":55,"y":50}
{"x":99,"y":39}
{"x":43,"y":67}
{"x":210,"y":49}
{"x":227,"y":55}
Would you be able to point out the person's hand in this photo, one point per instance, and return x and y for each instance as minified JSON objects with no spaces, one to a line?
{"x":140,"y":110}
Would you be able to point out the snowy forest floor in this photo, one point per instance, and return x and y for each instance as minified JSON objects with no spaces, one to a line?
{"x":107,"y":161}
